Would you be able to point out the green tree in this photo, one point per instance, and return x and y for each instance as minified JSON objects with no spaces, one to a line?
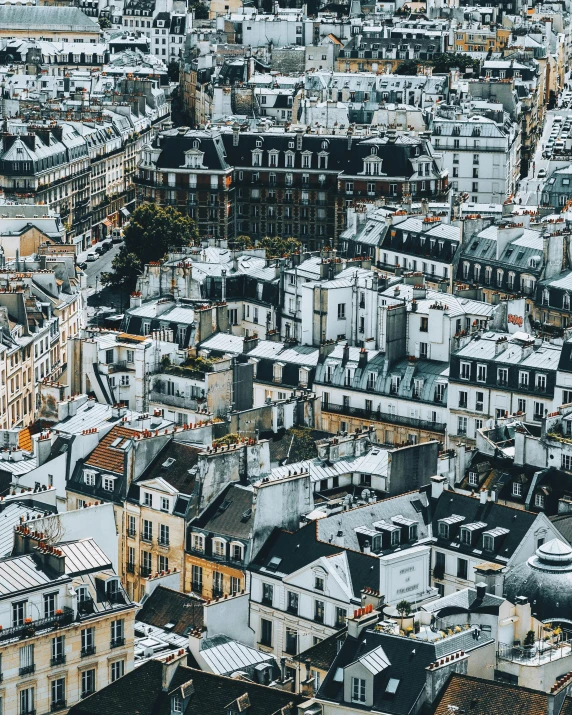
{"x":201,"y":10}
{"x":442,"y":63}
{"x":240,"y":243}
{"x":403,"y":608}
{"x":303,"y":445}
{"x":276,"y":247}
{"x":408,"y":67}
{"x":151,"y":232}
{"x":104,"y":23}
{"x":231,"y":438}
{"x":173,"y":70}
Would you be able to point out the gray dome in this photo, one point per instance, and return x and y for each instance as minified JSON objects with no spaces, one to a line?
{"x":546,"y":580}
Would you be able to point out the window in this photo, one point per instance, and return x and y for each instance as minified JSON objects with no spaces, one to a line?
{"x":473,"y":479}
{"x":424,"y":327}
{"x":291,"y":645}
{"x":147,"y":530}
{"x":147,"y":499}
{"x":197,"y":579}
{"x":58,"y":650}
{"x":523,"y":379}
{"x":163,"y":535}
{"x":87,"y":682}
{"x":235,"y":585}
{"x":27,"y":664}
{"x":566,"y":462}
{"x":462,"y":426}
{"x":479,"y":401}
{"x":319,"y":583}
{"x":516,"y":489}
{"x":219,"y":548}
{"x":145,"y":563}
{"x":26,"y":701}
{"x":162,"y":563}
{"x":502,"y":376}
{"x":89,"y":479}
{"x":341,"y":615}
{"x":462,"y":568}
{"x":465,"y":371}
{"x":87,"y":641}
{"x":50,"y":604}
{"x":131,"y":525}
{"x":117,"y":637}
{"x":539,"y":410}
{"x":117,"y":670}
{"x":198,"y":542}
{"x":481,"y":373}
{"x":488,"y":542}
{"x":58,"y":694}
{"x":265,"y":632}
{"x":341,"y":311}
{"x":217,"y":584}
{"x":267,"y":593}
{"x":541,"y":383}
{"x":236,"y":552}
{"x":292,"y":605}
{"x":539,"y":500}
{"x":566,"y":397}
{"x":108,"y":483}
{"x":358,"y":690}
{"x":443,"y":530}
{"x":18,"y":613}
{"x":319,"y":611}
{"x":176,"y":704}
{"x":463,"y":398}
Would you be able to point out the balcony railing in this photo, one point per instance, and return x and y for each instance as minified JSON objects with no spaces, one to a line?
{"x":380,"y":416}
{"x":117,"y":642}
{"x":130,"y":568}
{"x":28,"y":629}
{"x":58,"y":705}
{"x":145,"y":572}
{"x":85,"y":607}
{"x":27,"y":669}
{"x":57,"y":660}
{"x":87,"y":651}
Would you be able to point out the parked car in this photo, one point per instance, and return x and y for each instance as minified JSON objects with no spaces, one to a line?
{"x":116,"y":235}
{"x":91,"y":257}
{"x":541,"y":174}
{"x":107,"y":246}
{"x":99,"y":250}
{"x":82,"y":265}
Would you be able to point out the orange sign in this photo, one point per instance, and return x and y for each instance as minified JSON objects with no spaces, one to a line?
{"x":515,"y":320}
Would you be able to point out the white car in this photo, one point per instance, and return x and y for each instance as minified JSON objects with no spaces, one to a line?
{"x":91,"y":257}
{"x":541,"y":174}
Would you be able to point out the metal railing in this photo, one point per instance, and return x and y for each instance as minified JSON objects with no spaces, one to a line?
{"x":380,"y":416}
{"x":29,"y":628}
{"x":88,"y":650}
{"x":536,"y":654}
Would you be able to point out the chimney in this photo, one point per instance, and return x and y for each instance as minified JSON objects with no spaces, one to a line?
{"x":250,"y":343}
{"x":437,"y":486}
{"x":223,"y":286}
{"x":340,"y":540}
{"x":362,"y":361}
{"x":483,"y":496}
{"x":43,"y":448}
{"x":170,"y":665}
{"x":481,"y":588}
{"x":367,"y":548}
{"x":52,"y":559}
{"x":135,"y":299}
{"x":362,"y":618}
{"x":325,"y":349}
{"x":283,"y":669}
{"x":346,"y":354}
{"x":235,"y":134}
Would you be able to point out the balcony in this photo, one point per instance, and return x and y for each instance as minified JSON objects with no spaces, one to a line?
{"x":57,"y":660}
{"x":28,"y":629}
{"x":28,"y":669}
{"x":87,"y":651}
{"x":542,"y":652}
{"x":85,"y":607}
{"x":380,"y":416}
{"x":117,"y":642}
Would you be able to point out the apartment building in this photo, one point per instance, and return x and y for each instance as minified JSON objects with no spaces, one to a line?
{"x":481,"y":154}
{"x":48,"y":23}
{"x":495,"y":375}
{"x":287,"y":183}
{"x":67,"y":623}
{"x":155,"y":513}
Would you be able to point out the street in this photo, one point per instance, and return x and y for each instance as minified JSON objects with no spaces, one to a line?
{"x":96,"y":268}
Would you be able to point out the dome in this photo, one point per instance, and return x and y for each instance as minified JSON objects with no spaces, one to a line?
{"x":546,"y":580}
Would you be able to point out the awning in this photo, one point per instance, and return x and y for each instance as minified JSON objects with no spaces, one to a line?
{"x":107,"y":222}
{"x":125,"y":212}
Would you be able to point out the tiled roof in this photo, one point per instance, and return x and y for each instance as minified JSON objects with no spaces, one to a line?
{"x":322,"y":654}
{"x":166,"y":606}
{"x":109,"y":458}
{"x":485,"y":697}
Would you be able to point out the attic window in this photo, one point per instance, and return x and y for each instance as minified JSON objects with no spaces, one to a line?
{"x":274,"y":563}
{"x":473,"y":479}
{"x":392,"y":686}
{"x":176,"y":704}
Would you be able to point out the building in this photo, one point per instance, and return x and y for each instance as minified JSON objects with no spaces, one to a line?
{"x":284,"y":182}
{"x":481,"y":154}
{"x":67,"y":626}
{"x":48,"y":23}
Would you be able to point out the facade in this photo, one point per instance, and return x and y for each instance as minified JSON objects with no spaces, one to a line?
{"x":67,"y":624}
{"x":48,"y":23}
{"x":283,"y":183}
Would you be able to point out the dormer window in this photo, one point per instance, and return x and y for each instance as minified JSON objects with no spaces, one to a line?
{"x":108,"y":483}
{"x":219,"y":548}
{"x":198,"y":542}
{"x":259,"y":143}
{"x":443,"y":530}
{"x":492,"y":538}
{"x":89,"y":479}
{"x":176,"y":704}
{"x":319,"y":583}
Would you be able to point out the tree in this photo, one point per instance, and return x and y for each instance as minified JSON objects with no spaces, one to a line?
{"x":276,"y":247}
{"x":442,"y":63}
{"x":403,"y":608}
{"x":241,"y":243}
{"x":231,"y":438}
{"x":301,"y":444}
{"x":200,"y":9}
{"x":151,"y":232}
{"x":104,"y":23}
{"x":173,"y":70}
{"x":408,"y":67}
